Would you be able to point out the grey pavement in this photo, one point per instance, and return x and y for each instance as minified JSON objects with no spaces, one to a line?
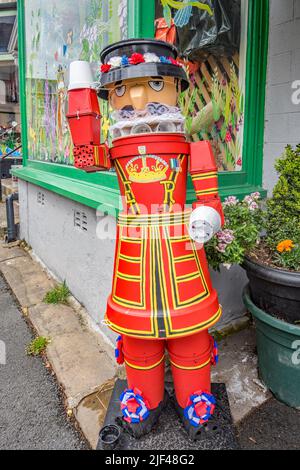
{"x":32,"y":415}
{"x":272,"y":426}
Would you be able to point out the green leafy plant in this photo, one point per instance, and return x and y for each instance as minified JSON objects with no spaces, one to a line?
{"x":279,"y":221}
{"x":240,"y":234}
{"x":58,"y":295}
{"x":283,"y":212}
{"x":37,"y":346}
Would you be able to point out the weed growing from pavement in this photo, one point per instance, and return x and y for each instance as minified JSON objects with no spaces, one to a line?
{"x":58,"y":295}
{"x":37,"y":346}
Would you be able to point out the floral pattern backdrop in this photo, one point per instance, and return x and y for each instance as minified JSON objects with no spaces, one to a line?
{"x":56,"y":34}
{"x":214,"y":104}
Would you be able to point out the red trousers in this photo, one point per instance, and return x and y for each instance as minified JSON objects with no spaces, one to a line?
{"x":190,"y":359}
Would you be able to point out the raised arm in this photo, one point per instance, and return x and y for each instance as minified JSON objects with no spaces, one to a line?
{"x":207,"y":217}
{"x":85,"y":120}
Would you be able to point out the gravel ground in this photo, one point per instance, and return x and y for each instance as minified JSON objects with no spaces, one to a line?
{"x":272,"y":426}
{"x":31,"y":411}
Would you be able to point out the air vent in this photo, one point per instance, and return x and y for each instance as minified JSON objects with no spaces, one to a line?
{"x":41,"y":198}
{"x":80,"y":220}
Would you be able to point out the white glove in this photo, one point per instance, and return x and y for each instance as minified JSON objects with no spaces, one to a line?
{"x":205,"y":222}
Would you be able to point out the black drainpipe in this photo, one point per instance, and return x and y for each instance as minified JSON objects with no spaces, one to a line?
{"x":10,"y":217}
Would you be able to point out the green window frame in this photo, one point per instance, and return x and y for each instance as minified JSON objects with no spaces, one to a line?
{"x":101,"y":189}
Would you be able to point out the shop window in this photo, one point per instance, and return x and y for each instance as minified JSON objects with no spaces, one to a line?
{"x":214,"y":46}
{"x":51,"y":35}
{"x":56,"y":33}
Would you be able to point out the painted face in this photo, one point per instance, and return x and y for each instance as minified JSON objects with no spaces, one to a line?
{"x":138,"y":92}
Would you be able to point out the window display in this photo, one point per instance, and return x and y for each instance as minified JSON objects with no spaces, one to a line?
{"x":56,"y":34}
{"x":213,"y":42}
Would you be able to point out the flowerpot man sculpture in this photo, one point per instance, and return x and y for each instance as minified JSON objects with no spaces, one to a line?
{"x":162,"y":298}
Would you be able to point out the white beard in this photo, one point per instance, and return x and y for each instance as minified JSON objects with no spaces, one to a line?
{"x":142,"y":122}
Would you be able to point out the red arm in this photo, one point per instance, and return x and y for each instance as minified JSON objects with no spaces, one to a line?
{"x":84,"y":120}
{"x":204,"y":174}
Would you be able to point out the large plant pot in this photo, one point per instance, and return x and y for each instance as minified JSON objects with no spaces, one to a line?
{"x":275,"y":291}
{"x":278,"y":349}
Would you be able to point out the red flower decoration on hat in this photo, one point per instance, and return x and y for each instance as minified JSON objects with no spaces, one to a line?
{"x":173,"y":61}
{"x":105,"y":68}
{"x":136,"y":58}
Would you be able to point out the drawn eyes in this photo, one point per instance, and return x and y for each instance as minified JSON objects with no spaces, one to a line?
{"x":156,"y":85}
{"x":120,"y":90}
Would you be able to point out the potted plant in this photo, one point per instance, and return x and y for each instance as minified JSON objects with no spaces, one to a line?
{"x":266,"y":242}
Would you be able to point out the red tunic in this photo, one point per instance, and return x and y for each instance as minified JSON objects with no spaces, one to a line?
{"x":161,"y":284}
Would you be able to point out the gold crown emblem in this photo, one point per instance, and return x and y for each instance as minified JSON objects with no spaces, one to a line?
{"x":141,"y":170}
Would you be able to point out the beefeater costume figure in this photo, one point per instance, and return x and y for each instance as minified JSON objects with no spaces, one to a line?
{"x":162,"y":297}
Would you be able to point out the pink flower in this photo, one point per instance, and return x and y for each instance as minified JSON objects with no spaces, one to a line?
{"x":225,"y":236}
{"x":251,"y":200}
{"x":253,"y":206}
{"x":248,"y":199}
{"x":221,"y":248}
{"x":231,"y":201}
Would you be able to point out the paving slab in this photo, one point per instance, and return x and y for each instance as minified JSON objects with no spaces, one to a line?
{"x":10,"y":251}
{"x":237,"y":368}
{"x":81,"y":365}
{"x":28,"y":281}
{"x":91,"y":412}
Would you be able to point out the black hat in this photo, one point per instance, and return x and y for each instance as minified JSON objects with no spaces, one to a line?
{"x":125,"y":67}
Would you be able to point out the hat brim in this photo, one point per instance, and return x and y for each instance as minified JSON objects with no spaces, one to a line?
{"x":145,"y":69}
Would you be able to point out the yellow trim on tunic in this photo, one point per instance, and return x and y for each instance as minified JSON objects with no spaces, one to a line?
{"x":174,"y":334}
{"x":147,"y":367}
{"x":191,"y":368}
{"x":204,"y":176}
{"x":130,"y":259}
{"x":207,"y":191}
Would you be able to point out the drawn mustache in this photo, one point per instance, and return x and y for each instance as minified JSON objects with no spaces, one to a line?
{"x":154,"y":109}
